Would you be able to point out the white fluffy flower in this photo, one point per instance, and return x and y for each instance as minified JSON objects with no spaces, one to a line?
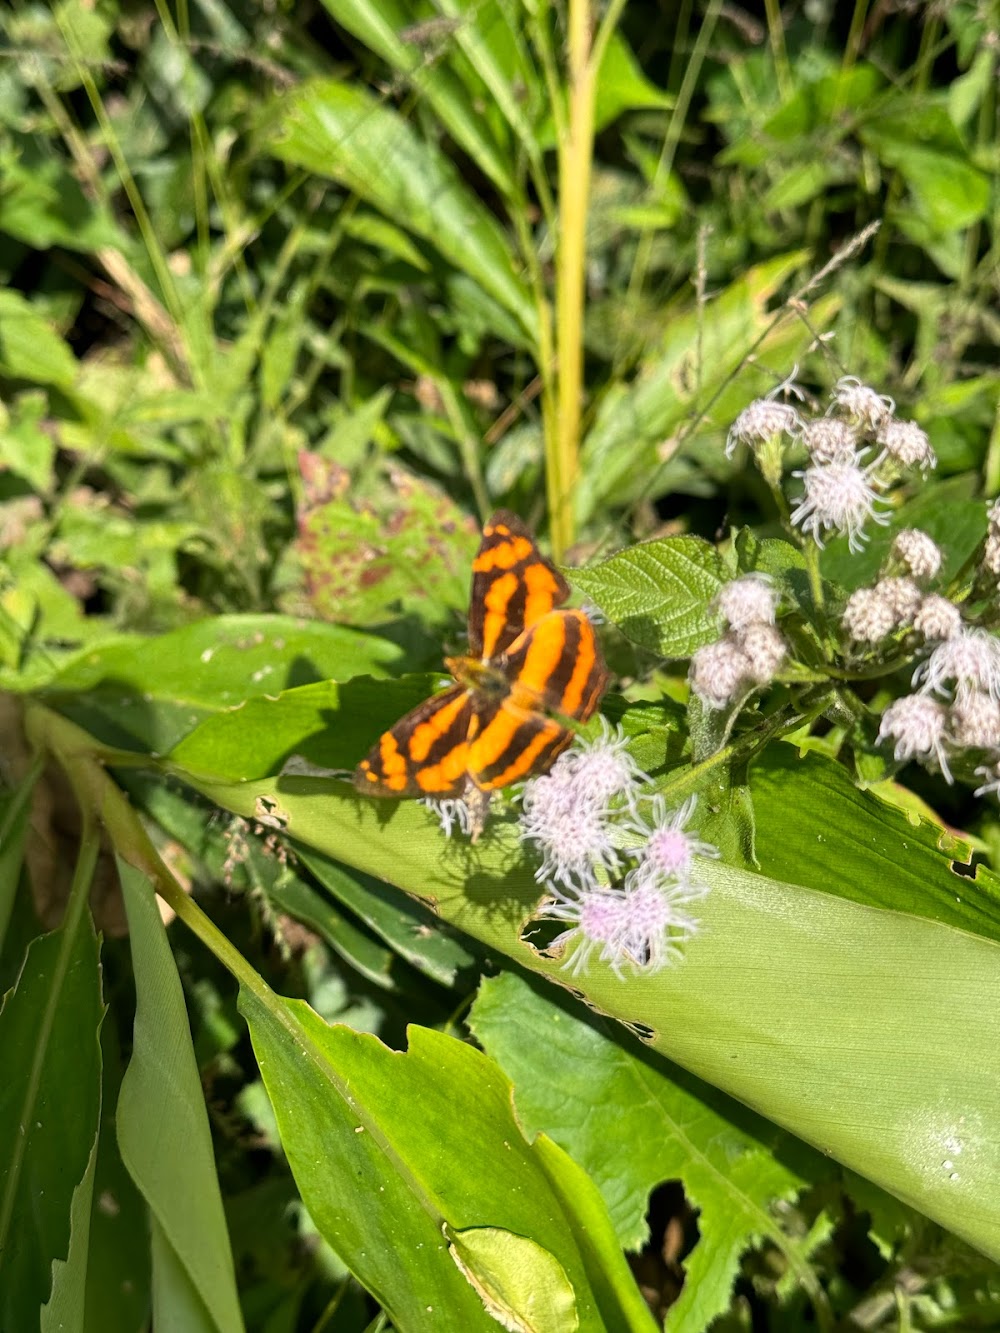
{"x":919,"y":553}
{"x":569,"y":827}
{"x":602,"y":769}
{"x":991,"y":553}
{"x":907,"y":443}
{"x":761,"y":422}
{"x":719,"y":672}
{"x":917,"y":723}
{"x":867,"y":617}
{"x":765,"y":650}
{"x":830,"y":440}
{"x":597,"y":925}
{"x":974,"y":721}
{"x":839,"y":497}
{"x":968,"y":661}
{"x":991,"y":787}
{"x":752,"y":599}
{"x":668,"y":850}
{"x":656,"y":924}
{"x":902,"y":597}
{"x":861,"y":404}
{"x":937,"y":618}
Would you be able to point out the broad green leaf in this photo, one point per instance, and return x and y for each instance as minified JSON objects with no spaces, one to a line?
{"x":383,"y":26}
{"x":337,"y":130}
{"x":177,"y":1306}
{"x":382,"y":1180}
{"x":407,"y":927}
{"x":658,"y":593}
{"x":30,"y":348}
{"x":822,"y":1014}
{"x":49,"y":1109}
{"x":632,"y":1120}
{"x":65,"y":1310}
{"x":163,"y":1132}
{"x":622,"y":86}
{"x":26,"y":449}
{"x":153,"y":691}
{"x":265,"y":734}
{"x":43,"y":205}
{"x":848,"y":842}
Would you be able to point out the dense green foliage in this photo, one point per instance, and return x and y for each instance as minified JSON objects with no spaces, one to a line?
{"x":293,"y":298}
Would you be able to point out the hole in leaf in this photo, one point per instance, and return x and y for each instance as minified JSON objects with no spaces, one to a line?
{"x":658,"y":1268}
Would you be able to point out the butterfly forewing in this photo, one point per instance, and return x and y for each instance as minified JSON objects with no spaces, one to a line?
{"x":513,"y":586}
{"x":426,"y":753}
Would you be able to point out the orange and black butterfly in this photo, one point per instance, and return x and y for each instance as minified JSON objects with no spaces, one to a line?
{"x":527,"y":662}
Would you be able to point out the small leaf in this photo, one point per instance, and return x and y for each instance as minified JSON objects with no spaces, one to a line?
{"x":30,"y":348}
{"x":522,"y":1286}
{"x":658,"y":593}
{"x":64,"y":1312}
{"x":163,"y":1131}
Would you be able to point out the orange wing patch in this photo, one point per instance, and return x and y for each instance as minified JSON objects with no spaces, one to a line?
{"x":527,"y":659}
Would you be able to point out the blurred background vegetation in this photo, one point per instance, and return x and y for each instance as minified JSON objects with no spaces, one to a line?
{"x":291,"y":295}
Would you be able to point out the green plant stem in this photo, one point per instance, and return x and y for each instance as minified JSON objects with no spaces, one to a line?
{"x":101,"y":799}
{"x":815,"y":577}
{"x":576,"y":146}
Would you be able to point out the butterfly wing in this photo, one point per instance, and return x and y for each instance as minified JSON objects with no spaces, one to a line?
{"x":514,"y":742}
{"x":513,"y":586}
{"x":557,"y":665}
{"x":426,"y":753}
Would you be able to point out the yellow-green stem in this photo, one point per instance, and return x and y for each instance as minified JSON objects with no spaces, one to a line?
{"x":575,"y":152}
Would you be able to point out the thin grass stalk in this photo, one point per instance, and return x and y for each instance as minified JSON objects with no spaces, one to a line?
{"x":576,"y":146}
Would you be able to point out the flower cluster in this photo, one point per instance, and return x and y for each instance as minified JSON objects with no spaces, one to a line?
{"x":620,"y":879}
{"x":856,"y":452}
{"x":752,"y":648}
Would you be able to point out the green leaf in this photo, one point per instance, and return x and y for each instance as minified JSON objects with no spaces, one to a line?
{"x":264,"y":734}
{"x":26,"y":449}
{"x":14,"y":809}
{"x":340,"y":131}
{"x":848,"y":842}
{"x":382,"y":26}
{"x":622,"y":86}
{"x":407,"y":927}
{"x":30,"y":348}
{"x":151,"y":692}
{"x":377,"y":1182}
{"x":819,"y":1013}
{"x":163,"y":1132}
{"x":520,"y":1284}
{"x":632,"y":1121}
{"x":658,"y":593}
{"x":49,"y":1108}
{"x":292,"y":894}
{"x":65,"y":1309}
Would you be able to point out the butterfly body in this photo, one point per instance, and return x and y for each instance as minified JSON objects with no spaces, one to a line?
{"x":527,"y":661}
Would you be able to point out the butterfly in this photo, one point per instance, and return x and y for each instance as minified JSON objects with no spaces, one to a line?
{"x":531,"y":669}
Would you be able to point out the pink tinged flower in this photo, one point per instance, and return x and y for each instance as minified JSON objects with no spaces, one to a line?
{"x":937,"y":619}
{"x":719,"y":673}
{"x":969,"y":660}
{"x":656,"y":924}
{"x":570,"y":829}
{"x":765,"y":650}
{"x":974,"y":722}
{"x":598,"y":926}
{"x":668,"y":850}
{"x":839,"y":497}
{"x":861,"y":404}
{"x":830,"y":440}
{"x":761,"y":422}
{"x":907,"y":443}
{"x":919,"y":553}
{"x":867,"y":617}
{"x":752,"y":599}
{"x":603,"y":769}
{"x":991,"y":553}
{"x":918,"y":725}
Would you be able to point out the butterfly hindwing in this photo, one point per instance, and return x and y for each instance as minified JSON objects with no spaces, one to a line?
{"x":556,"y":664}
{"x":513,"y":586}
{"x":426,"y":753}
{"x":513,"y":743}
